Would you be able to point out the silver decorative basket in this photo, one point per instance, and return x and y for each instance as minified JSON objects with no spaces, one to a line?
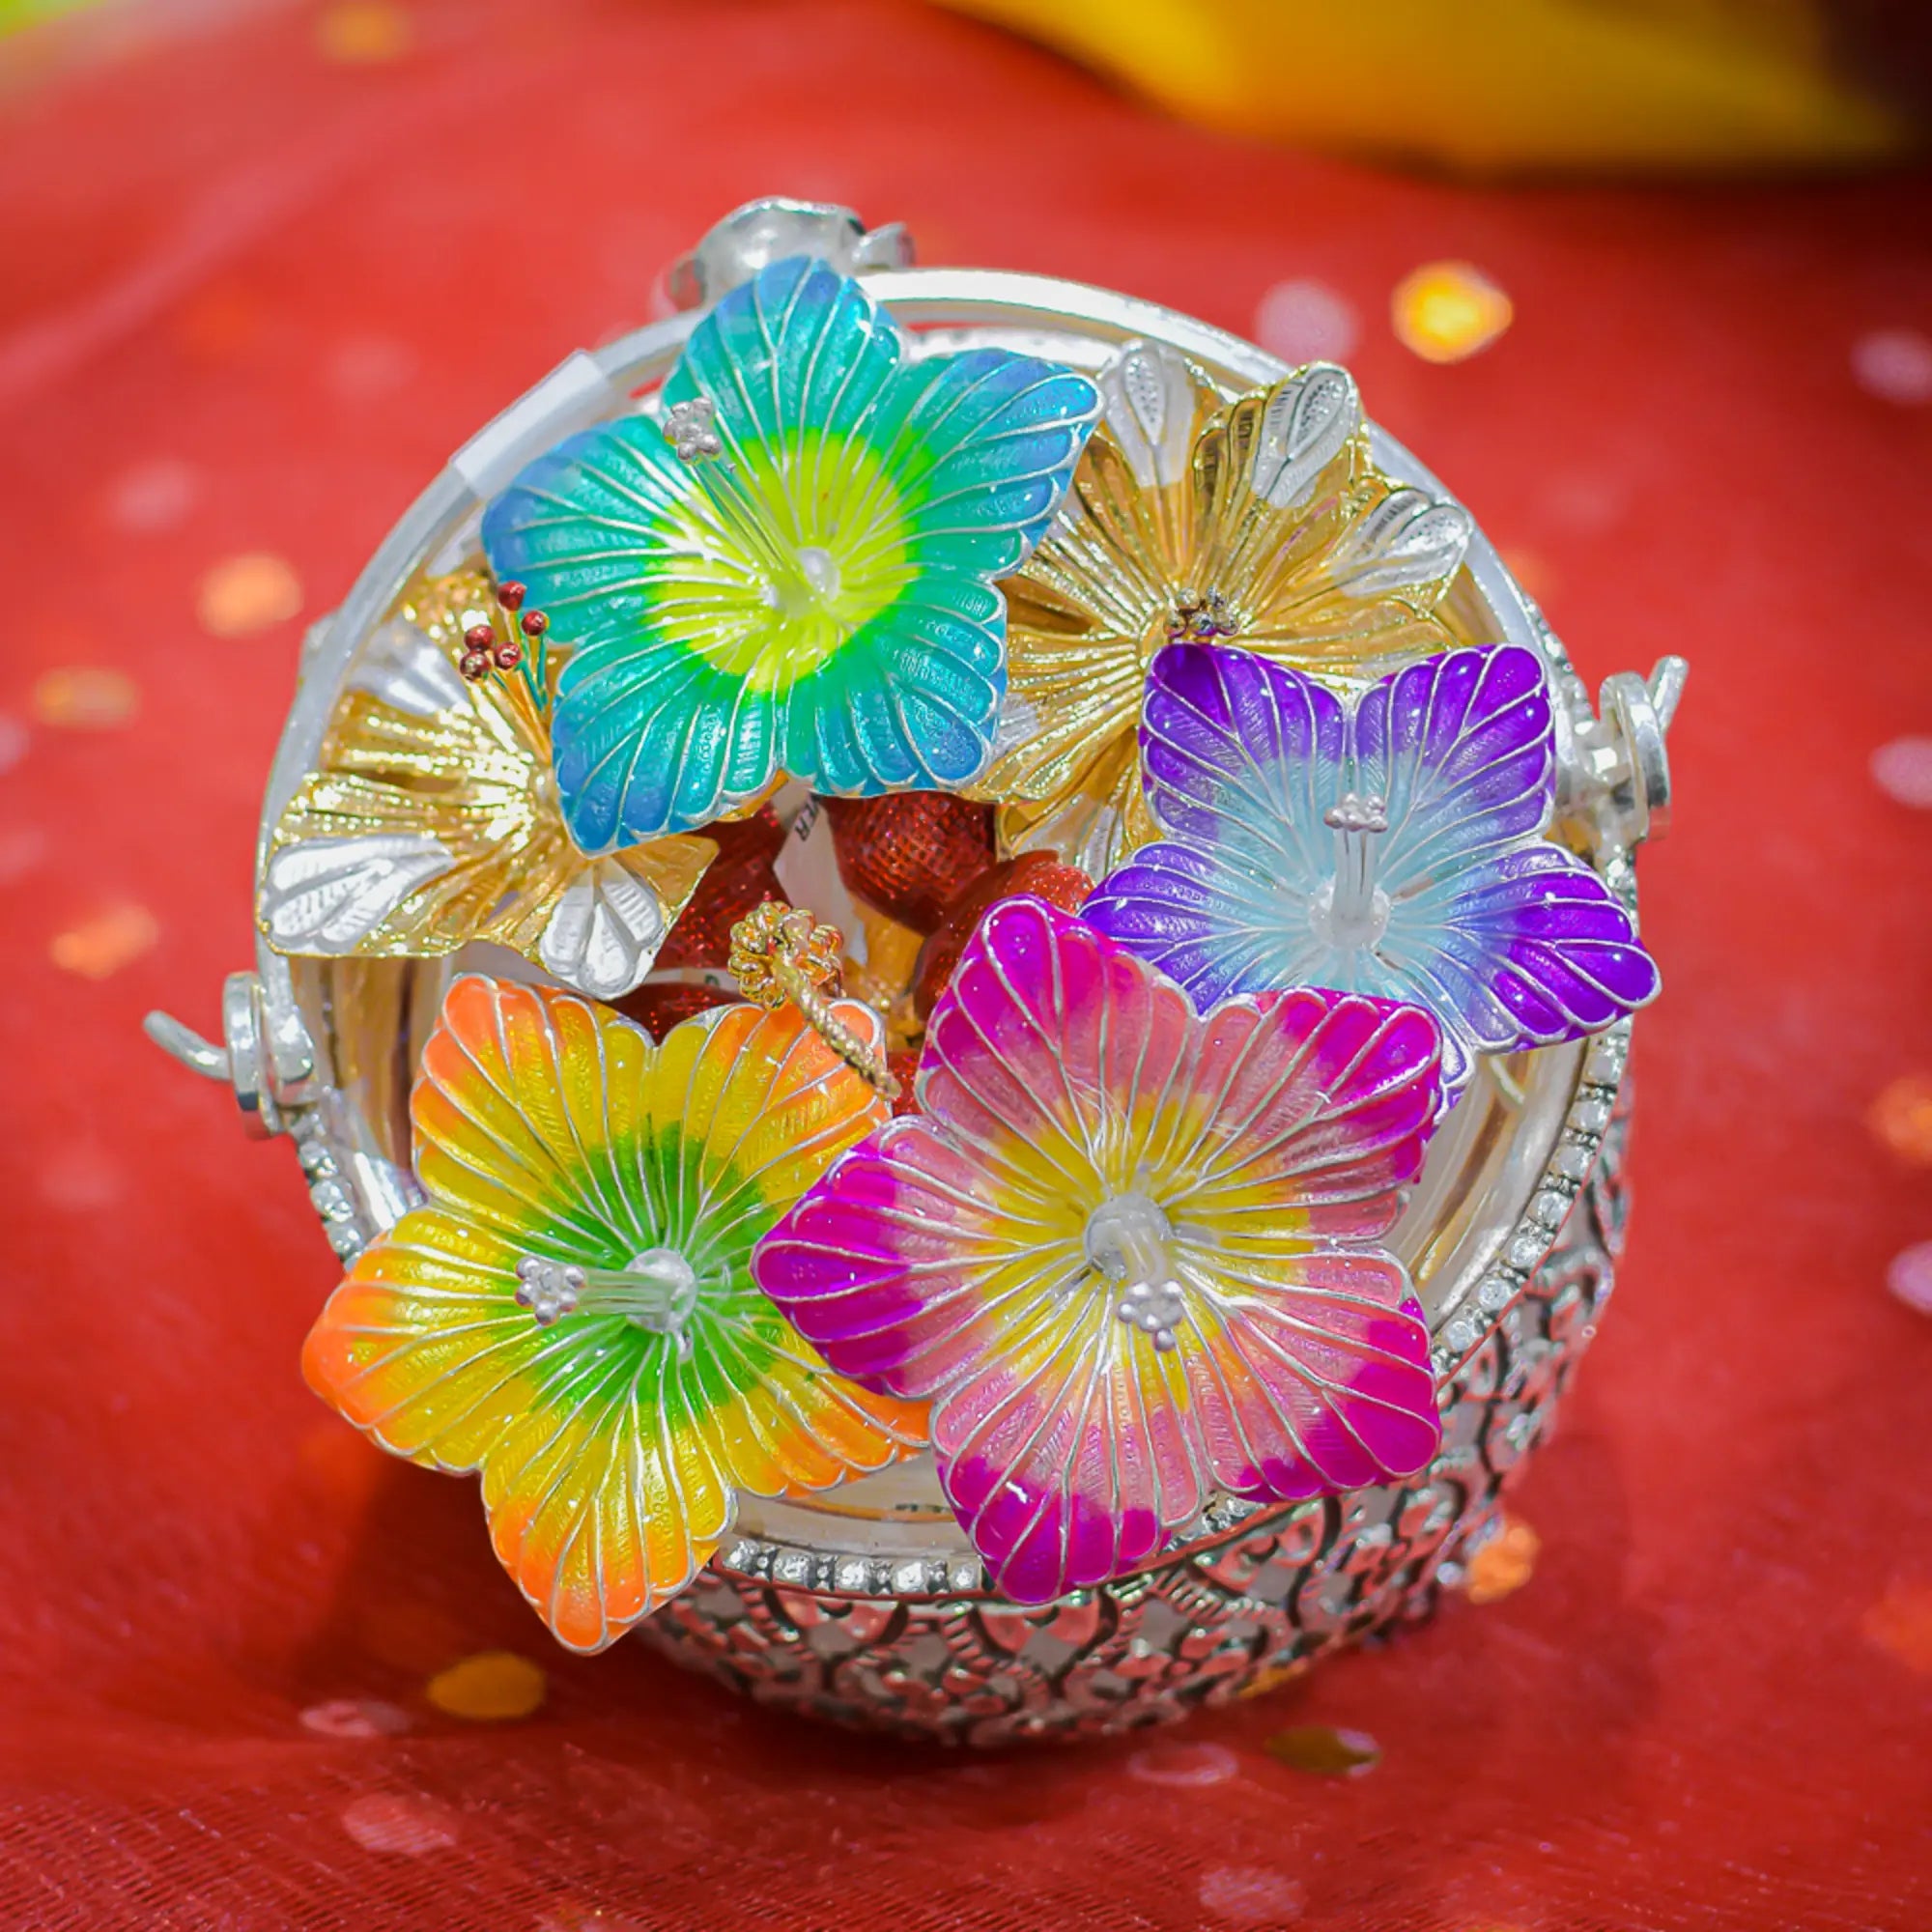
{"x":865,"y":1605}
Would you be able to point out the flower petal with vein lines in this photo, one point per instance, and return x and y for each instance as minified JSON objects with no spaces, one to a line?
{"x":951,"y":1256}
{"x":818,"y":598}
{"x":429,"y":821}
{"x":1510,"y":940}
{"x":610,"y":1455}
{"x":1268,"y":501}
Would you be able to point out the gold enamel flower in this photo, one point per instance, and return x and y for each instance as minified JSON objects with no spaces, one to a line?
{"x":1259,"y":521}
{"x":431,"y":817}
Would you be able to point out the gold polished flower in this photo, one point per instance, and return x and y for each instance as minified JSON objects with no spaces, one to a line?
{"x":431,"y":817}
{"x":1258,"y":518}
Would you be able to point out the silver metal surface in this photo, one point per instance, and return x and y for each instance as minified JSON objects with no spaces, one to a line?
{"x":770,"y":229}
{"x":1636,"y":712}
{"x":265,"y":1053}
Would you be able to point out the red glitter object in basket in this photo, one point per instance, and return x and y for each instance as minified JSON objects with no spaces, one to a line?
{"x":909,"y":854}
{"x":904,"y":1069}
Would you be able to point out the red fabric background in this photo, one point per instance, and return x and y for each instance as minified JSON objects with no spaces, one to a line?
{"x":1711,"y":1706}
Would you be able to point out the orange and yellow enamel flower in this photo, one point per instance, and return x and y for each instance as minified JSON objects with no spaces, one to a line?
{"x":572,"y":1315}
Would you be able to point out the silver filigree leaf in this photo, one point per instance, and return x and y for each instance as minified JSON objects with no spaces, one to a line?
{"x":406,"y":669}
{"x":605,"y":932}
{"x":1149,"y":403}
{"x":1407,"y":540}
{"x":1018,"y":724}
{"x":1305,"y":425}
{"x":328,"y":895}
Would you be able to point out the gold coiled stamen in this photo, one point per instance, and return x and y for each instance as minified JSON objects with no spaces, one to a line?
{"x":779,"y":953}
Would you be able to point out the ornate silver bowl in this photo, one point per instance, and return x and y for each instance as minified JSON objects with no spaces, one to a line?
{"x":866,"y":1604}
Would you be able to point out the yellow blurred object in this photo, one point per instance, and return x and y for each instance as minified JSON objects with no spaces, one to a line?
{"x":492,"y":1688}
{"x":1448,"y":310}
{"x":1527,"y":86}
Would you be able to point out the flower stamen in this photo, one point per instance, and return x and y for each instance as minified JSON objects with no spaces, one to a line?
{"x":779,"y":954}
{"x":514,"y":643}
{"x":1199,"y":619}
{"x":689,"y":428}
{"x":797,"y":574}
{"x":1127,"y":1241}
{"x":1354,"y":912}
{"x":655,"y":1291}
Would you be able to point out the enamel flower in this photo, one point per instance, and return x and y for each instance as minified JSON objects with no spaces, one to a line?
{"x":1260,"y":519}
{"x":1394,"y":848}
{"x":572,"y":1313}
{"x":430,"y":819}
{"x":1132,"y":1254}
{"x":793,"y":571}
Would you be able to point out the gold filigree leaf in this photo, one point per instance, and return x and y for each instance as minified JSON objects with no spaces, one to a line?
{"x":1092,"y":823}
{"x":431,"y":820}
{"x":1276,"y":534}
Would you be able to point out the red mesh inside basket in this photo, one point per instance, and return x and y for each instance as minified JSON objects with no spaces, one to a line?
{"x":1039,"y":873}
{"x":739,"y":878}
{"x":910,"y":853}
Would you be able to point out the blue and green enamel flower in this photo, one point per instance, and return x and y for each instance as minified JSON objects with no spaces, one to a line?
{"x":795,"y":571}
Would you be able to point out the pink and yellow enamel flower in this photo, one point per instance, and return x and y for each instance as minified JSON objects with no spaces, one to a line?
{"x":1132,"y":1254}
{"x":572,"y":1312}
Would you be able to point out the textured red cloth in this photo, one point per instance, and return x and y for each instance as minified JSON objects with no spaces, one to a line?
{"x":253,"y":296}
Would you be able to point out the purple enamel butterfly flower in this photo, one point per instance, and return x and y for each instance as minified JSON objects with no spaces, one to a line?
{"x":1396,"y":849}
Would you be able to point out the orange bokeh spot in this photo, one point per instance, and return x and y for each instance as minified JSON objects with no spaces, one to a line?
{"x":248,"y":593}
{"x":85,"y":698}
{"x":1900,"y":1624}
{"x":1505,"y":1563}
{"x":1901,"y":1118}
{"x":1445,"y":311}
{"x":364,"y":33}
{"x":493,"y":1687}
{"x":217,"y":322}
{"x":1325,"y":1751}
{"x":98,"y":948}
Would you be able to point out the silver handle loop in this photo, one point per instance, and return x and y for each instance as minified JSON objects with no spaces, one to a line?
{"x":266,"y":1054}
